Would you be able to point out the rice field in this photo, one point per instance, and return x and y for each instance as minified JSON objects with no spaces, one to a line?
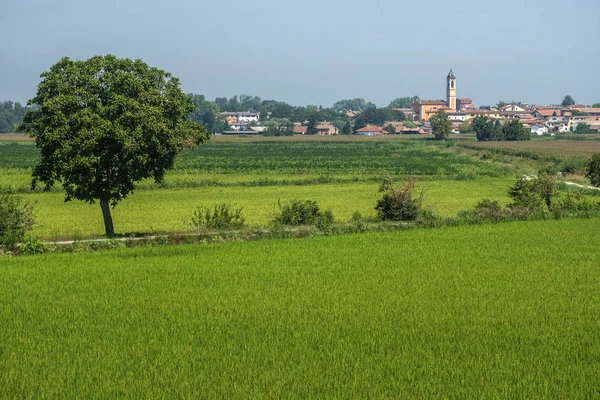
{"x":490,"y":311}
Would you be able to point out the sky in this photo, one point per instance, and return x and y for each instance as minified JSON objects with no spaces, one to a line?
{"x":319,"y":51}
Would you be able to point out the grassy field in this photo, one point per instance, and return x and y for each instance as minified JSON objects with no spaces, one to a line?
{"x":552,"y":148}
{"x":342,"y":175}
{"x":490,"y":311}
{"x":169,"y":209}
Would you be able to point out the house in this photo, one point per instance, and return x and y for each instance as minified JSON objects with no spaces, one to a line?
{"x":539,"y":130}
{"x":240,"y":117}
{"x":326,"y":129}
{"x":300,"y":130}
{"x":370,"y":131}
{"x":425,"y":109}
{"x":511,"y":107}
{"x":465,"y":104}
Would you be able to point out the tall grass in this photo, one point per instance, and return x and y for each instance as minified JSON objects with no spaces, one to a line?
{"x":491,"y":311}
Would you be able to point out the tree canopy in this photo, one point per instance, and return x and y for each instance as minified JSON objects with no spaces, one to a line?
{"x":104,"y":124}
{"x":593,"y":170}
{"x":567,"y":101}
{"x":441,"y":126}
{"x":11,"y":115}
{"x":403,"y":102}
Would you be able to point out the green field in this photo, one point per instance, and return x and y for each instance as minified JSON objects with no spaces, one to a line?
{"x":340,"y":175}
{"x":489,"y":311}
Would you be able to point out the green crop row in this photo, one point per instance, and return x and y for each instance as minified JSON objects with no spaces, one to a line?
{"x":489,"y":311}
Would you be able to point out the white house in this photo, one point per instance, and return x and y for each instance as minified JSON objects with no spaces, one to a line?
{"x":539,"y":129}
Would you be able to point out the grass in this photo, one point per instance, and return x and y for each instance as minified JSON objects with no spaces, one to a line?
{"x":169,"y":209}
{"x":491,"y":311}
{"x":549,"y":149}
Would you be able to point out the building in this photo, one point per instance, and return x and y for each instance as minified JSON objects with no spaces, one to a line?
{"x":425,"y":109}
{"x":240,"y":117}
{"x":539,"y":130}
{"x":326,"y":129}
{"x":370,"y":131}
{"x":451,"y":91}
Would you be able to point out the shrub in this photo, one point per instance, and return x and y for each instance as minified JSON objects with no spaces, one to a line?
{"x":398,"y":204}
{"x":221,"y":217}
{"x":16,"y":218}
{"x":303,"y":212}
{"x":593,"y":170}
{"x":32,"y":246}
{"x":534,"y":193}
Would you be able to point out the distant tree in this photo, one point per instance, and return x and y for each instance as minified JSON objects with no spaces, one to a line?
{"x":596,"y":105}
{"x":399,"y":116}
{"x":16,"y":218}
{"x":106,"y":123}
{"x":347,"y":129}
{"x":465,"y":127}
{"x":409,"y":124}
{"x":484,"y":128}
{"x":357,"y":104}
{"x":501,"y":104}
{"x":592,"y":171}
{"x":207,"y":114}
{"x":311,"y":127}
{"x":403,"y":102}
{"x":279,"y":127}
{"x":567,"y":101}
{"x":11,"y":115}
{"x":391,"y":129}
{"x":514,"y":130}
{"x":582,"y":127}
{"x":485,"y":108}
{"x":441,"y":125}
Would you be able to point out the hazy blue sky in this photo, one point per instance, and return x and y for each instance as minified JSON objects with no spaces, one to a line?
{"x":319,"y":51}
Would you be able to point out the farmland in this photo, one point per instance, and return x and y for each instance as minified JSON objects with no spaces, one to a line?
{"x":549,"y":148}
{"x":492,"y":311}
{"x":255,"y":174}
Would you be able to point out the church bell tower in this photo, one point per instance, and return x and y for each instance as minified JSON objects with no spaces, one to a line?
{"x":451,"y":90}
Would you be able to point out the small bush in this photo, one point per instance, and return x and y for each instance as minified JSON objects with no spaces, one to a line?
{"x":222,"y":216}
{"x":303,"y":212}
{"x":16,"y":218}
{"x":534,"y":193}
{"x":398,"y":204}
{"x":32,"y":246}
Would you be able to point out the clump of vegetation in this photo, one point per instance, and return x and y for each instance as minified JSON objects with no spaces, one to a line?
{"x":534,"y":193}
{"x":592,"y":171}
{"x":222,"y":216}
{"x":16,"y":218}
{"x":32,"y":246}
{"x":303,"y":212}
{"x":398,"y":203}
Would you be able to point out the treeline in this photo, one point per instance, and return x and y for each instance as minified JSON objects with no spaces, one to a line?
{"x":208,"y":113}
{"x":11,"y":115}
{"x":486,"y":129}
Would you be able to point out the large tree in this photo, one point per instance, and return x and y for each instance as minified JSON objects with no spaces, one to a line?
{"x":441,"y":126}
{"x":484,"y":128}
{"x":514,"y":130}
{"x":104,"y":124}
{"x":567,"y":101}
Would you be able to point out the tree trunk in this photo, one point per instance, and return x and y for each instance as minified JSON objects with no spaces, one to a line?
{"x":108,"y":223}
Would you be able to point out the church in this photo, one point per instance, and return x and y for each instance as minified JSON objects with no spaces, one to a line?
{"x":425,"y":109}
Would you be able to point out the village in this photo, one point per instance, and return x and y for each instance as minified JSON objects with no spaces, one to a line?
{"x":540,"y":120}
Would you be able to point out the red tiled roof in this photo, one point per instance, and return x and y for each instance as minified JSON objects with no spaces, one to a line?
{"x":300,"y":129}
{"x":370,"y":128}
